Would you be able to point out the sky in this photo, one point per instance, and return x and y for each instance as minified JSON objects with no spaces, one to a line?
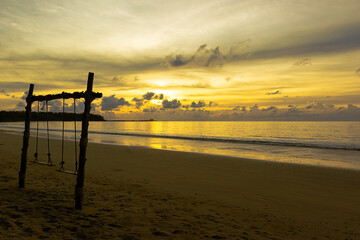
{"x":187,"y":60}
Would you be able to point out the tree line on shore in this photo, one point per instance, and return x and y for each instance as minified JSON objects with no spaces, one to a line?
{"x":16,"y":116}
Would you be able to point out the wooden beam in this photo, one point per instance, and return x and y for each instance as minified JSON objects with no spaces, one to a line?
{"x":64,"y":95}
{"x":79,"y":188}
{"x":26,"y":137}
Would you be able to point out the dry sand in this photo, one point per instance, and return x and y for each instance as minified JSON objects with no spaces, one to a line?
{"x":139,"y":193}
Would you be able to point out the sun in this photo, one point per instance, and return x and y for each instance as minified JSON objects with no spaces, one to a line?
{"x":156,"y":101}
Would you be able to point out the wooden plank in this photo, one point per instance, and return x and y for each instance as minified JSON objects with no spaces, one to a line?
{"x":44,"y":163}
{"x":67,"y":171}
{"x":64,"y":95}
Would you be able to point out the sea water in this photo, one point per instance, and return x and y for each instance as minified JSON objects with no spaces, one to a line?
{"x":332,"y":144}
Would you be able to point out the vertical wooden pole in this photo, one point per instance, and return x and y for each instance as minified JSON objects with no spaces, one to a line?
{"x":79,"y":188}
{"x":26,"y":137}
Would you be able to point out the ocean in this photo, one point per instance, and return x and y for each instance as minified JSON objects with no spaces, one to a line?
{"x":331,"y":144}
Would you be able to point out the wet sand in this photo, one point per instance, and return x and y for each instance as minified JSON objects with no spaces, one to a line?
{"x":142,"y":193}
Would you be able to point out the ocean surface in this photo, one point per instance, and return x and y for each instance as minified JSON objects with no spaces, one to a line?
{"x":332,"y":144}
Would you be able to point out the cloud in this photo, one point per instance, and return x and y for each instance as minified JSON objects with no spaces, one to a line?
{"x":2,"y":91}
{"x":200,"y":104}
{"x":240,"y":108}
{"x":273,"y":93}
{"x":124,"y":82}
{"x":111,"y":103}
{"x":22,"y":86}
{"x":357,"y":71}
{"x":152,"y":109}
{"x":320,"y":106}
{"x":208,"y":57}
{"x":228,"y":79}
{"x":148,"y":95}
{"x":212,"y":104}
{"x":159,"y":96}
{"x":138,"y":102}
{"x":332,"y":40}
{"x":55,"y":106}
{"x":171,"y":104}
{"x":23,"y":97}
{"x":303,"y":62}
{"x":20,"y":104}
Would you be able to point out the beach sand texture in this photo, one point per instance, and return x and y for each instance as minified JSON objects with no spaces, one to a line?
{"x":141,"y":193}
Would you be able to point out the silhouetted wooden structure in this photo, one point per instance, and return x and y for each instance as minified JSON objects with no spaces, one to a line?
{"x":89,"y":96}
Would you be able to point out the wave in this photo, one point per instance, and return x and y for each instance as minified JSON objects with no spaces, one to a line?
{"x":239,"y":141}
{"x":321,"y":145}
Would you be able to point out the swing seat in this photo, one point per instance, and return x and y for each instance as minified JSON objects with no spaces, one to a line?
{"x":67,"y":171}
{"x":44,"y":163}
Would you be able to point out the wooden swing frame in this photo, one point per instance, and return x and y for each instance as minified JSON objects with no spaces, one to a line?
{"x":89,"y":96}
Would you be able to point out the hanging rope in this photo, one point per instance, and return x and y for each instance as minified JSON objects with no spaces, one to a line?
{"x":76,"y":161}
{"x":62,"y":138}
{"x":37,"y":133}
{"x":48,"y":134}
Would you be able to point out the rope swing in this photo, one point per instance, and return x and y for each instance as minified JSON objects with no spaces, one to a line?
{"x":49,"y":162}
{"x":76,"y":160}
{"x":48,"y":133}
{"x":36,"y":154}
{"x":89,"y":95}
{"x":62,"y":138}
{"x":62,"y":169}
{"x":37,"y":133}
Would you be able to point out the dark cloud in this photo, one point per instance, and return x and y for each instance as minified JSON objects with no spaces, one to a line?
{"x":55,"y":106}
{"x":319,"y":112}
{"x":240,"y":108}
{"x":212,"y":104}
{"x":208,"y":57}
{"x":314,"y":112}
{"x":303,"y":62}
{"x":124,"y":82}
{"x":138,"y":102}
{"x":273,"y":93}
{"x":148,"y":95}
{"x":333,"y":40}
{"x":270,"y":109}
{"x":2,"y":91}
{"x":357,"y":71}
{"x":320,"y":106}
{"x":228,"y":79}
{"x":254,"y":108}
{"x":23,"y":97}
{"x":200,"y":104}
{"x":150,"y":110}
{"x":171,"y":104}
{"x":99,"y":63}
{"x":112,"y":102}
{"x":22,"y":86}
{"x":159,"y":96}
{"x":179,"y":61}
{"x":20,"y":104}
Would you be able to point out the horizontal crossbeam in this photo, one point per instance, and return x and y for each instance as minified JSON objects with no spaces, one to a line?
{"x":64,"y":95}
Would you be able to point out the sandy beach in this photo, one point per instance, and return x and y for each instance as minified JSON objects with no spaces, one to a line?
{"x":141,"y":193}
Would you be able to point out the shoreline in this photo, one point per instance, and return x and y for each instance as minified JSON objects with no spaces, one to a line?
{"x":346,"y":165}
{"x":144,"y":193}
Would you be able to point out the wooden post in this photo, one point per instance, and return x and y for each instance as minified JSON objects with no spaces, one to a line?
{"x":26,"y":137}
{"x":79,"y":188}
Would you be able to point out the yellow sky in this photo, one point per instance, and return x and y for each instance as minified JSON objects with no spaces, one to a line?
{"x":298,"y":56}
